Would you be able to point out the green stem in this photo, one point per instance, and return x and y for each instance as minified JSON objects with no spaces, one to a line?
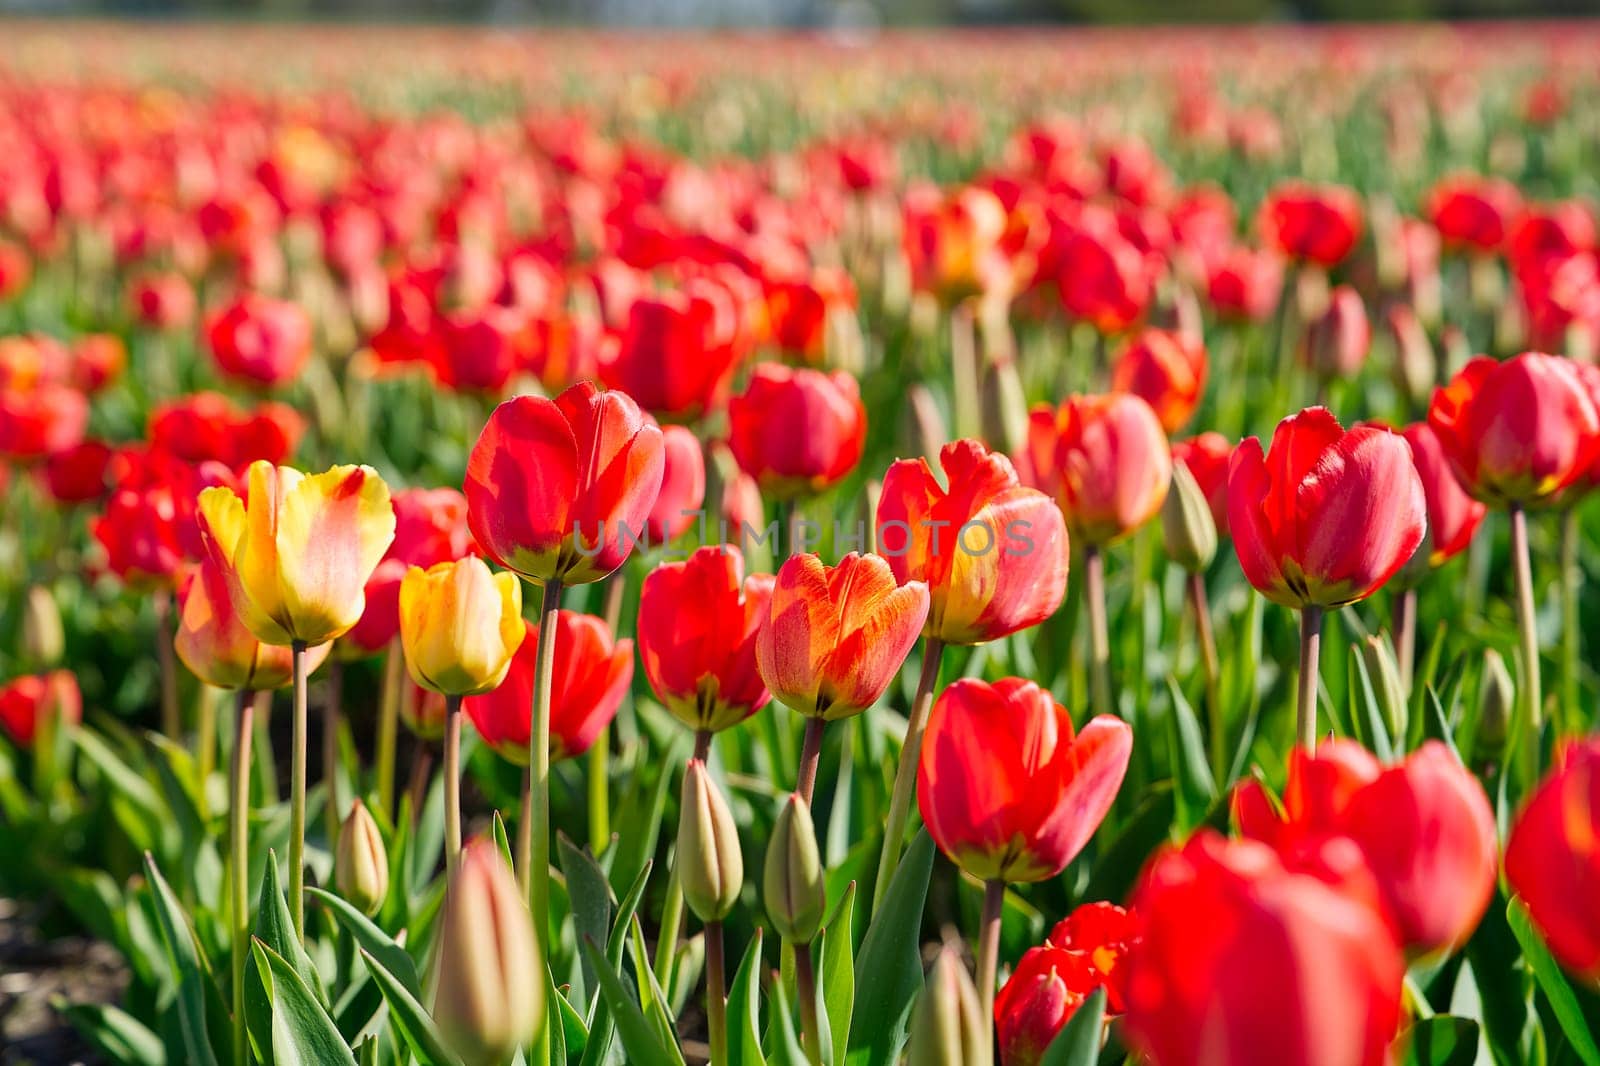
{"x":1405,"y":636}
{"x":1205,"y":633}
{"x":716,"y":995}
{"x":810,"y":756}
{"x":1527,"y":625}
{"x":905,"y":778}
{"x":994,"y":897}
{"x":331,"y":718}
{"x":239,"y":851}
{"x":1094,"y":582}
{"x":671,"y":920}
{"x":1571,"y":634}
{"x":452,"y":783}
{"x":600,"y":752}
{"x":1305,"y":729}
{"x":205,"y":741}
{"x":539,"y":769}
{"x":805,"y":977}
{"x":394,"y":673}
{"x":297,"y":795}
{"x":166,"y":657}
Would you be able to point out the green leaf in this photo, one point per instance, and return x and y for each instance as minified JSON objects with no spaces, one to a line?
{"x":302,"y":1032}
{"x":117,"y":1034}
{"x":1078,"y":1043}
{"x":1563,"y":1000}
{"x":1191,"y":768}
{"x":638,"y":1036}
{"x":838,"y":977}
{"x":590,"y":896}
{"x":640,"y":819}
{"x":373,"y":940}
{"x":888,"y":972}
{"x":503,"y":842}
{"x":1365,"y":714}
{"x":274,"y":928}
{"x":1441,"y":1041}
{"x":744,"y":1010}
{"x":415,"y":1024}
{"x":183,"y":955}
{"x":786,"y":1047}
{"x":573,"y":1033}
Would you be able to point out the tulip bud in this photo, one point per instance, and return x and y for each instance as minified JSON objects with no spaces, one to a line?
{"x":793,"y":883}
{"x":1497,"y":699}
{"x":948,"y":1028}
{"x":1005,"y":407}
{"x":1378,"y":656}
{"x":360,"y":863}
{"x":1187,"y":526}
{"x":42,"y":639}
{"x":490,"y":981}
{"x":710,"y":864}
{"x":460,"y":624}
{"x":1337,"y":340}
{"x":924,"y":423}
{"x":1415,"y":367}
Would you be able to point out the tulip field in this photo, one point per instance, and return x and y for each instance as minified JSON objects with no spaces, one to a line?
{"x":949,"y":548}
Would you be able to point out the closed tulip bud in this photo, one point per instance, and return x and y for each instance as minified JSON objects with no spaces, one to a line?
{"x":1497,"y":700}
{"x":1517,"y":432}
{"x":793,"y":881}
{"x":1415,"y":366}
{"x":1337,"y":341}
{"x":1552,"y":861}
{"x":948,"y":1027}
{"x":490,"y":979}
{"x":1384,"y":672}
{"x":460,"y":624}
{"x":43,"y":641}
{"x":992,"y":551}
{"x":1008,"y":790}
{"x":1106,"y":461}
{"x":1329,"y":515}
{"x":710,"y":863}
{"x":1187,"y":528}
{"x":298,"y":551}
{"x":360,"y":862}
{"x":835,"y":636}
{"x":561,"y":489}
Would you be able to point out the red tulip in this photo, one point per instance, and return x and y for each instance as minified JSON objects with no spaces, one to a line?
{"x":162,"y":301}
{"x":78,"y":474}
{"x":798,"y":310}
{"x":1207,"y":456}
{"x":27,"y":703}
{"x":835,"y":636}
{"x":1552,"y":861}
{"x":683,"y":487}
{"x":1005,"y":787}
{"x":98,"y":360}
{"x":953,"y":244}
{"x":1473,"y":212}
{"x":481,"y":349}
{"x":1084,"y":952}
{"x":1316,"y":224}
{"x":1337,"y":341}
{"x":41,"y":420}
{"x":1517,"y":432}
{"x":674,"y":355}
{"x":702,"y":662}
{"x":1556,"y":230}
{"x":992,"y":551}
{"x":1104,"y":279}
{"x":1106,"y":460}
{"x":260,"y":340}
{"x":139,"y":533}
{"x":590,"y":681}
{"x":1166,"y":370}
{"x":1424,"y":828}
{"x":560,"y":490}
{"x":1453,"y":516}
{"x":15,"y":270}
{"x":206,"y":425}
{"x":1241,"y":961}
{"x":797,"y":432}
{"x":1245,"y":284}
{"x":1327,"y":516}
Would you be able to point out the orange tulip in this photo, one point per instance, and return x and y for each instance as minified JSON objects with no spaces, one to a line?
{"x":1165,"y":369}
{"x":1005,"y":787}
{"x":1104,"y":458}
{"x":834,"y":636}
{"x":992,"y":551}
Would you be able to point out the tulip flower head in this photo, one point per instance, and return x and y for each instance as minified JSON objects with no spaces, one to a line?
{"x":1327,"y":516}
{"x":1207,"y":457}
{"x":683,"y":486}
{"x":1552,"y":861}
{"x":588,"y":684}
{"x":1084,"y":952}
{"x":701,"y":662}
{"x":836,"y":636}
{"x":1517,"y":432}
{"x":33,"y":704}
{"x":1007,"y":789}
{"x":1453,"y":516}
{"x":992,"y":551}
{"x":1165,"y":369}
{"x":460,"y":624}
{"x":559,"y":490}
{"x":298,"y":550}
{"x":360,"y":861}
{"x":948,"y":1027}
{"x":1315,"y":224}
{"x":260,"y":340}
{"x":709,"y":860}
{"x":1105,"y":459}
{"x":797,"y":431}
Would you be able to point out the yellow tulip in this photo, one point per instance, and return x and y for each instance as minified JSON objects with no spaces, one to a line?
{"x":460,"y":624}
{"x":299,"y":549}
